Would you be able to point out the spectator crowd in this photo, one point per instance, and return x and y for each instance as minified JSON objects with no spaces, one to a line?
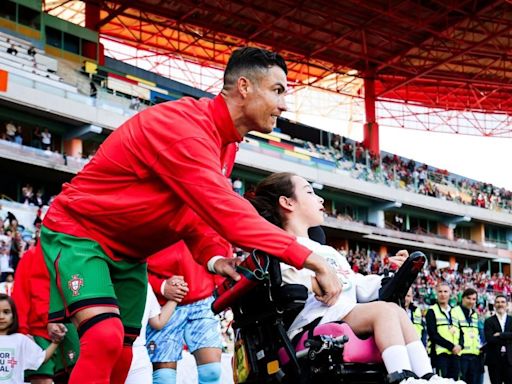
{"x":393,"y":170}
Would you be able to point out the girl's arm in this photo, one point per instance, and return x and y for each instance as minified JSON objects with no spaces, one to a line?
{"x":50,"y":350}
{"x":159,"y":321}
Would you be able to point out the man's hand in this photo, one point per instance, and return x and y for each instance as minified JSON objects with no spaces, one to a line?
{"x":175,"y":289}
{"x":326,"y":277}
{"x":399,"y":258}
{"x":57,"y":331}
{"x":227,"y":267}
{"x":315,"y":287}
{"x":456,"y":349}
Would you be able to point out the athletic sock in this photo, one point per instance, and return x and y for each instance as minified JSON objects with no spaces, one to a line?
{"x":396,"y":359}
{"x":209,"y":373}
{"x":100,"y":347}
{"x":164,"y":376}
{"x":419,"y":359}
{"x":122,"y":366}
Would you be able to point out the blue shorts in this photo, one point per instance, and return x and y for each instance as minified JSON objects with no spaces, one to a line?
{"x":192,"y":324}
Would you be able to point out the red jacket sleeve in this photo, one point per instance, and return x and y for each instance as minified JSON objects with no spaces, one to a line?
{"x":202,"y":241}
{"x":191,"y":167}
{"x":21,"y":292}
{"x":156,"y":284}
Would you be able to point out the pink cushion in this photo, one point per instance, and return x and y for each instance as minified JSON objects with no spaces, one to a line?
{"x":356,"y":350}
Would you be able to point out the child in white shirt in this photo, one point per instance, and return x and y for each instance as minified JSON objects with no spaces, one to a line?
{"x":17,"y":351}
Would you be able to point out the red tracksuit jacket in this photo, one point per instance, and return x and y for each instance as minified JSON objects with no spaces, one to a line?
{"x":177,"y":260}
{"x":31,"y":293}
{"x":158,"y":179}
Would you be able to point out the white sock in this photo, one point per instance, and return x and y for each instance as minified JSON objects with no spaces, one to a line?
{"x":396,"y":358}
{"x":419,"y":359}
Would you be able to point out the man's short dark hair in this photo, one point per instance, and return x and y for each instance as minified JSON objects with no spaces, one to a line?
{"x":246,"y":61}
{"x":469,"y":292}
{"x":501,"y":295}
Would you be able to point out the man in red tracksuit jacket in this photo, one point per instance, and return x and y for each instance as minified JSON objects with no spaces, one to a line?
{"x":158,"y":179}
{"x":193,"y":321}
{"x":32,"y":295}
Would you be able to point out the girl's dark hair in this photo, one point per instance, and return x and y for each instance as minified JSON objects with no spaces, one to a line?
{"x":266,"y":196}
{"x":14,"y":326}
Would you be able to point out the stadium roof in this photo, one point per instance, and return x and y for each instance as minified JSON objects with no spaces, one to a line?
{"x":450,"y":54}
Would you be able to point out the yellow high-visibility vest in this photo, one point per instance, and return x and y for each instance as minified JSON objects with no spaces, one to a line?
{"x":470,"y":330}
{"x":448,"y":327}
{"x":417,"y":321}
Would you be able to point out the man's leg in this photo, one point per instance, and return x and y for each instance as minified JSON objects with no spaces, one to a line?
{"x":130,"y":285}
{"x":495,"y":374}
{"x":508,"y":373}
{"x":473,"y":373}
{"x":454,"y":367}
{"x":81,"y":289}
{"x":203,"y":337}
{"x":101,"y":344}
{"x":442,"y":364}
{"x":464,"y":367}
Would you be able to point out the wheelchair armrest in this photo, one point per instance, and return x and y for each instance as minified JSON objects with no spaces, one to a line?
{"x":290,"y":296}
{"x":395,"y":289}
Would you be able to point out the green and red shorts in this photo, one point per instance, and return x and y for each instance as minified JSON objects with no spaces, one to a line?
{"x":82,"y":275}
{"x":62,"y":361}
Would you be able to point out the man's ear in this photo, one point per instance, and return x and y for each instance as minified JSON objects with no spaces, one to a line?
{"x":243,"y":85}
{"x":286,"y":203}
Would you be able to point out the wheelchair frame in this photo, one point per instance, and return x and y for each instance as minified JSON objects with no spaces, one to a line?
{"x":262,"y":316}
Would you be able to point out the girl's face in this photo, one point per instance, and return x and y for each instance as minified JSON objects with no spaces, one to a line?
{"x":5,"y":316}
{"x":309,"y":207}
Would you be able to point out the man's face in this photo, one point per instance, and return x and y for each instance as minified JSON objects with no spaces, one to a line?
{"x":469,"y":301}
{"x":265,"y":100}
{"x":501,"y":305}
{"x":443,"y":294}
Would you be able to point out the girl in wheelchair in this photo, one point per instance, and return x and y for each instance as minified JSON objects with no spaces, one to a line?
{"x":289,"y":201}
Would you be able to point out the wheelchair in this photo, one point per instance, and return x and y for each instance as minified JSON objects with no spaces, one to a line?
{"x":263,"y":309}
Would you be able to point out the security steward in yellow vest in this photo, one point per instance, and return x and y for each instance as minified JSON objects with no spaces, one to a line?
{"x":470,"y":362}
{"x":443,"y":328}
{"x":415,"y":315}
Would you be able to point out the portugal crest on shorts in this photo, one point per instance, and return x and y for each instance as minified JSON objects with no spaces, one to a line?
{"x":71,"y":355}
{"x":75,"y":284}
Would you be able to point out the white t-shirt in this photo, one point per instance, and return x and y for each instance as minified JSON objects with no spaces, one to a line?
{"x":10,"y":129}
{"x":46,"y":138}
{"x":356,"y":287}
{"x":151,"y":310}
{"x":5,"y":259}
{"x":17,"y":353}
{"x":6,"y":288}
{"x":140,"y":359}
